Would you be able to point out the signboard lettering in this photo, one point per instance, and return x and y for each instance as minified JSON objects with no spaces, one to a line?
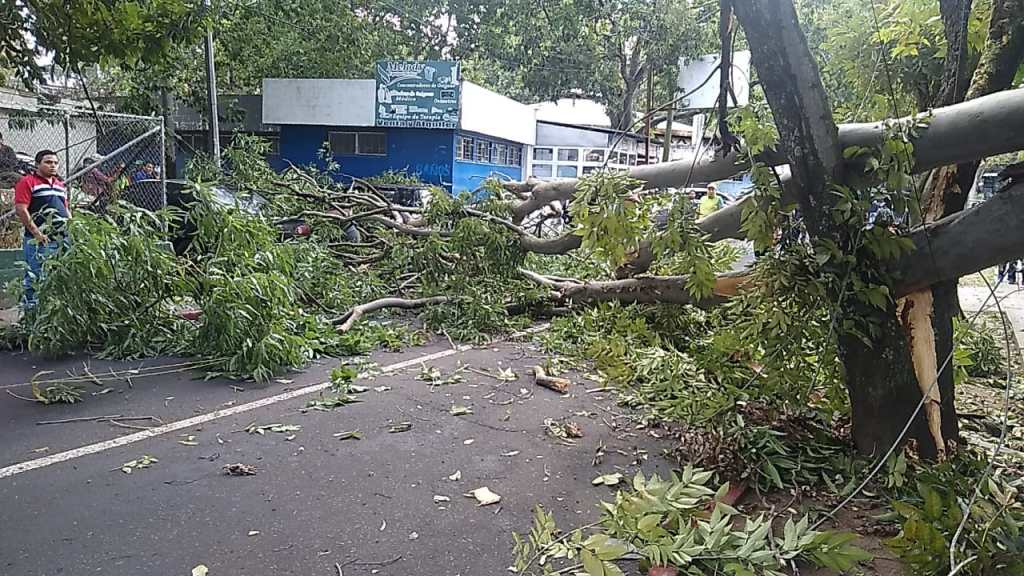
{"x":421,"y":94}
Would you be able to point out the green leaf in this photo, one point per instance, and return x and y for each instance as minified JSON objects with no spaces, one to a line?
{"x":591,"y":564}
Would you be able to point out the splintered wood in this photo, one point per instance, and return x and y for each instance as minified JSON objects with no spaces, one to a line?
{"x":560,"y":385}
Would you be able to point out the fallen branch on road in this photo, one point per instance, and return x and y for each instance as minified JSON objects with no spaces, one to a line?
{"x":346,"y":322}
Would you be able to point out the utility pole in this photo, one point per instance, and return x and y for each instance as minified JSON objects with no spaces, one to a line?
{"x":650,"y":106}
{"x":666,"y":146}
{"x":171,"y":149}
{"x":211,"y":91}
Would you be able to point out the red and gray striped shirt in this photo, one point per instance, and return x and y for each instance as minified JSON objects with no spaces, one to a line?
{"x":47,"y":199}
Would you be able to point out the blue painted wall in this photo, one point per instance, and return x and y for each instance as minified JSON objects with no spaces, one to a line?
{"x":426,"y":153}
{"x":468,"y":176}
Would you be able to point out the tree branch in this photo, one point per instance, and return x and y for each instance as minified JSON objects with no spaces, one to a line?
{"x":345,"y":323}
{"x":982,"y":127}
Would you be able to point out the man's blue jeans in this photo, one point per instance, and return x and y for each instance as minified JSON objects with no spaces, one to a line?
{"x":35,"y":254}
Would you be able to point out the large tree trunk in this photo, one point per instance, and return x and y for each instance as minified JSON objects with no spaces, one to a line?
{"x":881,"y":383}
{"x":947,"y":187}
{"x":878,"y":372}
{"x":931,"y":333}
{"x":981,"y":127}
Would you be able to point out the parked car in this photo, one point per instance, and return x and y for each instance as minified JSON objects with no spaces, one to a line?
{"x":148,"y":194}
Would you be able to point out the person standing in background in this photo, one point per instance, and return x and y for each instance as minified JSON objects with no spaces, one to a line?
{"x":710,"y":203}
{"x":41,"y":203}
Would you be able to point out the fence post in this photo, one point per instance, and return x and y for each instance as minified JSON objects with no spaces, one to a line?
{"x":67,"y":143}
{"x":163,"y":161}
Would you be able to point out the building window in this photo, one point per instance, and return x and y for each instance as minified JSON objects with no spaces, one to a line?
{"x":372,"y":144}
{"x":483,"y":151}
{"x":500,"y":154}
{"x":517,"y":156}
{"x":543,"y":154}
{"x":358,"y":143}
{"x":590,"y":169}
{"x":594,"y":155}
{"x":342,"y":143}
{"x":566,"y":171}
{"x":568,"y":154}
{"x":275,"y":145}
{"x":542,"y":171}
{"x":464,"y":148}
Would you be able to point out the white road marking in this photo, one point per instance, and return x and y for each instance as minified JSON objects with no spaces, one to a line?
{"x":203,"y":418}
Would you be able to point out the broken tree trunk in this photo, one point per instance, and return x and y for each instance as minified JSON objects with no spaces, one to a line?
{"x":877,"y":368}
{"x":927,"y":314}
{"x":555,"y":383}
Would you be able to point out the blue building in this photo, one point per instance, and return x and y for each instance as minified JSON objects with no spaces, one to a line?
{"x":321,"y":120}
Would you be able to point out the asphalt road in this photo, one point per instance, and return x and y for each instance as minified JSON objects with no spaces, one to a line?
{"x":367,"y":505}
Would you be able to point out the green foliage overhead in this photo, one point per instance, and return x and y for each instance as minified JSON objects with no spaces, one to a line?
{"x":84,"y":32}
{"x":538,"y":50}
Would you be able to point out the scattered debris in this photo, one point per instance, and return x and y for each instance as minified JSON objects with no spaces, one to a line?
{"x":239,"y":469}
{"x":330,"y":402}
{"x":400,"y":427}
{"x":189,"y":440}
{"x":434,"y":377}
{"x":350,"y":435}
{"x":607,"y":479}
{"x":254,"y":532}
{"x":511,"y":454}
{"x":40,"y":450}
{"x":381,"y":388}
{"x":456,"y":476}
{"x":383,"y":525}
{"x":598,"y":454}
{"x":457,"y":410}
{"x":468,"y":442}
{"x":284,"y":381}
{"x":261,"y":429}
{"x":414,"y":535}
{"x":438,"y":499}
{"x":484,"y":496}
{"x":541,"y":378}
{"x":503,"y":375}
{"x":145,"y":462}
{"x":200,"y":570}
{"x":564,"y":431}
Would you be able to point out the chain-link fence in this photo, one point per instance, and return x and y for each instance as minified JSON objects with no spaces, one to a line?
{"x":105,"y":157}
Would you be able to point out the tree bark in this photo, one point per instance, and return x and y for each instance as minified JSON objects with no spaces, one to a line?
{"x":930,"y":330}
{"x":876,"y":363}
{"x":881,"y":383}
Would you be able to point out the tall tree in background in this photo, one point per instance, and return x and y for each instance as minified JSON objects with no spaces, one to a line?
{"x":585,"y":48}
{"x":76,"y":33}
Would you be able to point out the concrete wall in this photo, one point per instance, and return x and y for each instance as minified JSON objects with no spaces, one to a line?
{"x":492,"y":114}
{"x":557,"y":135}
{"x":426,"y":153}
{"x":327,"y":102}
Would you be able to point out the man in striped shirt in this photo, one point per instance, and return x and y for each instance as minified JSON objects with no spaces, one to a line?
{"x":41,"y":203}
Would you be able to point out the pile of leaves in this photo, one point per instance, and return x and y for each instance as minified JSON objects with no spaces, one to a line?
{"x":749,"y":390}
{"x":929,"y":512}
{"x":682,"y":521}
